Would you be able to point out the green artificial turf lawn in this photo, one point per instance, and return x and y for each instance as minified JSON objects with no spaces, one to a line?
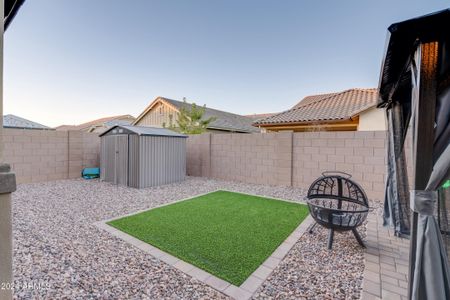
{"x":224,"y":233}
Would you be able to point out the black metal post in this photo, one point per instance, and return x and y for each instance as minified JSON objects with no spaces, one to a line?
{"x":330,"y":238}
{"x":358,"y":237}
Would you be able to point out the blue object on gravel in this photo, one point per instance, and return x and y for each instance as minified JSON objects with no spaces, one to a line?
{"x":90,"y":173}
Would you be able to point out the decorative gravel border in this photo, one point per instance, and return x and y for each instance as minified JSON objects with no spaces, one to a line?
{"x":248,"y":287}
{"x":56,"y":244}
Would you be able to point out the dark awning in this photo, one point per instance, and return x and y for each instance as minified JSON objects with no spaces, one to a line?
{"x":403,"y":40}
{"x":415,"y":89}
{"x":11,"y":8}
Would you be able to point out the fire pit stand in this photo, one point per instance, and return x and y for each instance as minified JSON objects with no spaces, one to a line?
{"x":337,"y":203}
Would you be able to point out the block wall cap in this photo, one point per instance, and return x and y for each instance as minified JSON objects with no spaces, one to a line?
{"x":5,"y":168}
{"x":7,"y":179}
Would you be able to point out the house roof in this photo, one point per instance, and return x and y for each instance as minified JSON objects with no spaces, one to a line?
{"x":313,"y":98}
{"x":65,"y":127}
{"x":224,"y":120}
{"x":107,"y":122}
{"x":256,"y":117}
{"x":12,"y":121}
{"x":145,"y":130}
{"x":326,"y":107}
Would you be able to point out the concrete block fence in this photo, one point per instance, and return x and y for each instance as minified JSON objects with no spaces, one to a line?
{"x":285,"y":158}
{"x":290,"y":159}
{"x":42,"y":155}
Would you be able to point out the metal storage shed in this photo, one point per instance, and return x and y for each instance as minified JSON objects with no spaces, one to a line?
{"x":142,"y":157}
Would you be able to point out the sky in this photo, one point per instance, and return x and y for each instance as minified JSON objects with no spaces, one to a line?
{"x":68,"y":62}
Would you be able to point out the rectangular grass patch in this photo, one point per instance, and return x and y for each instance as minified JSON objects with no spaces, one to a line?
{"x":226,"y":234}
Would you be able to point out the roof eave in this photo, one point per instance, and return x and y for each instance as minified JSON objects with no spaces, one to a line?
{"x":360,"y":111}
{"x":315,"y":122}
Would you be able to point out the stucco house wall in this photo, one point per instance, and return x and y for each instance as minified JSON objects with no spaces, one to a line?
{"x":373,"y":119}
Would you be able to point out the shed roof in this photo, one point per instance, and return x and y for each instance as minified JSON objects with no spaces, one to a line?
{"x":326,"y":107}
{"x":12,"y":121}
{"x":144,"y":130}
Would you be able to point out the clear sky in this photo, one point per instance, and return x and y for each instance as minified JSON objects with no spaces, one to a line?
{"x":68,"y":61}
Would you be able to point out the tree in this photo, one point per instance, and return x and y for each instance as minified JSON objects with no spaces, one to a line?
{"x":190,"y":121}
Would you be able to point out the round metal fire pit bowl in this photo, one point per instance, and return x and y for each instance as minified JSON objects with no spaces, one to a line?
{"x":338,"y":203}
{"x":327,"y":213}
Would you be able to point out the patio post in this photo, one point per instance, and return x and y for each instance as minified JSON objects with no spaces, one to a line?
{"x":7,"y":186}
{"x":424,"y":115}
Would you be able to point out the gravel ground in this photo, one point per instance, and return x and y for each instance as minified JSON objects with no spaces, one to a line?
{"x":311,"y":271}
{"x":59,"y":253}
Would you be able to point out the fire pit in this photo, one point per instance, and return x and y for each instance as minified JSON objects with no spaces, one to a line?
{"x":337,"y":203}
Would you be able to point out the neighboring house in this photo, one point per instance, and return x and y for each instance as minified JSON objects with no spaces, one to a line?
{"x":163,"y":112}
{"x":99,"y":125}
{"x":349,"y":110}
{"x":12,"y":121}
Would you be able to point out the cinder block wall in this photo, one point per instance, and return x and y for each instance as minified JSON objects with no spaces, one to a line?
{"x":286,"y":158}
{"x":255,"y":158}
{"x":290,"y":159}
{"x":198,"y":152}
{"x":42,"y":155}
{"x":360,"y":153}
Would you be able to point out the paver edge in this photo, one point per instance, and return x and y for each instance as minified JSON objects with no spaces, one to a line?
{"x":296,"y":234}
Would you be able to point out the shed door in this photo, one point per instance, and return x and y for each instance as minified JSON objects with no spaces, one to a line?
{"x":109,"y":161}
{"x":121,"y":160}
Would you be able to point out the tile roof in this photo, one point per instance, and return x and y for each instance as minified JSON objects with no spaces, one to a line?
{"x":326,"y":107}
{"x":12,"y":121}
{"x":257,"y":117}
{"x":224,"y":120}
{"x":313,"y":98}
{"x":107,"y":122}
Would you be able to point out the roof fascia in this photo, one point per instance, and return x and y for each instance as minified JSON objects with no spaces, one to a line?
{"x":321,"y":122}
